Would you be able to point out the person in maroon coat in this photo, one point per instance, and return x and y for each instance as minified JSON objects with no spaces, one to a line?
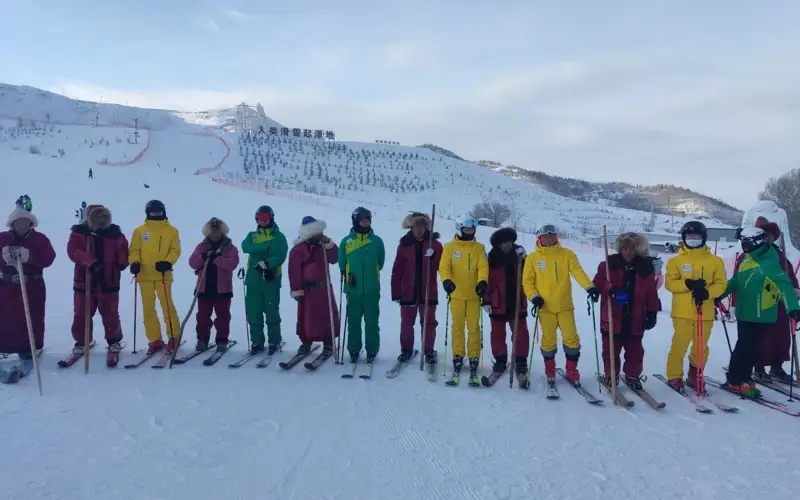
{"x":309,"y":281}
{"x":505,"y":298}
{"x":417,"y":262}
{"x":33,"y":249}
{"x":634,"y":304}
{"x":99,"y":247}
{"x":776,"y":343}
{"x":219,"y":257}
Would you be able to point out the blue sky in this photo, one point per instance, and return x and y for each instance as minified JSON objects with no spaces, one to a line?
{"x":700,"y":94}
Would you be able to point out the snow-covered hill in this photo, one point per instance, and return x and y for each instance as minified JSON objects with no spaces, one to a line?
{"x":212,"y":432}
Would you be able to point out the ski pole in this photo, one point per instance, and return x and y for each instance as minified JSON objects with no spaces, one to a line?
{"x":446,"y":335}
{"x":24,"y":289}
{"x":87,"y":324}
{"x":339,"y":338}
{"x":200,"y":279}
{"x":698,"y":340}
{"x":610,"y":311}
{"x":515,"y":329}
{"x":794,"y":361}
{"x":240,"y":275}
{"x":135,"y":309}
{"x":535,"y":313}
{"x":481,"y":326}
{"x":725,"y":327}
{"x":427,"y":291}
{"x":344,"y":330}
{"x":168,"y":313}
{"x":329,"y":291}
{"x":590,"y":310}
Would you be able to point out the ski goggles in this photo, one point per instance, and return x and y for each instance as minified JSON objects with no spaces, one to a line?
{"x":263,"y":218}
{"x":546,"y":230}
{"x":470,"y":222}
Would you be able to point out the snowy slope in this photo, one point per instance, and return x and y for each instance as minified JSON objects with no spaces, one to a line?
{"x":214,"y":433}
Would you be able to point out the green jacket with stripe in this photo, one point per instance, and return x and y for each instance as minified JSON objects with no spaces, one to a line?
{"x":362,"y":256}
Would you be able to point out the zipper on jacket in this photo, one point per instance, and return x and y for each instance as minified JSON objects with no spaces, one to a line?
{"x":469,"y":262}
{"x":758,"y":304}
{"x":364,"y":270}
{"x":159,"y":244}
{"x":555,"y":265}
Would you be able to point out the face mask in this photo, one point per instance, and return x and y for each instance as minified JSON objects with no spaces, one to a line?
{"x":693,"y":243}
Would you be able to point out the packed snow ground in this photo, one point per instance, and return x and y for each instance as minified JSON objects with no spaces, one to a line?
{"x":216,"y":433}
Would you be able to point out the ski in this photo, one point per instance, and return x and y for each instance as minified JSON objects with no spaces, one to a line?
{"x":296,"y":359}
{"x":353,"y":367}
{"x":552,"y":391}
{"x":782,"y":387}
{"x":112,"y":358}
{"x":621,"y":399}
{"x":474,"y":381}
{"x":366,"y":373}
{"x":164,"y":359}
{"x":72,"y":358}
{"x":246,"y":359}
{"x":266,"y":360}
{"x":318,"y":361}
{"x":209,"y":361}
{"x":775,"y":405}
{"x":395,"y":370}
{"x":190,"y":356}
{"x":142,"y":360}
{"x":647,"y":398}
{"x":11,"y":375}
{"x":588,"y":396}
{"x":492,"y":378}
{"x":454,"y":378}
{"x":698,"y":406}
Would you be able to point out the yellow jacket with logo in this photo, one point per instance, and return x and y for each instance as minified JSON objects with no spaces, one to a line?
{"x":694,"y":263}
{"x":547,"y":274}
{"x":465,"y":264}
{"x":154,"y":241}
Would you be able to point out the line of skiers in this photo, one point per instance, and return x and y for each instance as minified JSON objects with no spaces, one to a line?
{"x":501,"y":282}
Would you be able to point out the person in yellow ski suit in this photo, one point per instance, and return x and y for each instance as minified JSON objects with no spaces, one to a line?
{"x":547,"y":284}
{"x":464,"y":271}
{"x":694,"y":276}
{"x":155,"y":248}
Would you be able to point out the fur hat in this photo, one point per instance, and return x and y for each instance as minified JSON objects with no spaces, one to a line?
{"x":768,"y":227}
{"x":415,"y":218}
{"x":215,"y":224}
{"x":633,"y":240}
{"x":311,"y":227}
{"x":98,"y":217}
{"x":21,"y":213}
{"x":503,"y":235}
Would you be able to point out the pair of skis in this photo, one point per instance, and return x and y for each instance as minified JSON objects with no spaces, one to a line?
{"x":648,"y":398}
{"x":312,"y":365}
{"x":523,"y":380}
{"x":209,"y":361}
{"x":700,"y":405}
{"x":263,"y":362}
{"x":365,"y":374}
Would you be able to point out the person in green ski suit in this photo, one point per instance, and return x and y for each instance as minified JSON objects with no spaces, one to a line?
{"x":267,"y":249}
{"x":759,"y":284}
{"x":361,"y":259}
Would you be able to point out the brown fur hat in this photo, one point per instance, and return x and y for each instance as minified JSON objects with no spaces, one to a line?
{"x":98,"y":217}
{"x":503,"y":235}
{"x":768,"y":227}
{"x":215,"y":224}
{"x":415,"y":218}
{"x":633,"y":240}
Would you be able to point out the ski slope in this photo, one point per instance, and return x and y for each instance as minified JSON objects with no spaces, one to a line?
{"x":198,"y":433}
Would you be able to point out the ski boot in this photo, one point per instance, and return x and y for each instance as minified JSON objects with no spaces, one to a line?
{"x":573,"y":374}
{"x":172,"y":344}
{"x":458,"y":364}
{"x":304,"y":349}
{"x":778,"y":374}
{"x":431,"y":360}
{"x":222,"y":345}
{"x":78,"y":349}
{"x":746,"y":388}
{"x":760,"y":375}
{"x":635,"y":383}
{"x":154,"y":346}
{"x":473,"y":372}
{"x":327,"y":349}
{"x":605,"y":380}
{"x":677,"y":385}
{"x":273,"y":348}
{"x":257,"y":348}
{"x":112,"y":354}
{"x":691,"y":382}
{"x":550,"y":373}
{"x":354,"y":355}
{"x":200,"y":346}
{"x":405,"y":356}
{"x":500,"y":364}
{"x":371,"y":357}
{"x":521,"y":367}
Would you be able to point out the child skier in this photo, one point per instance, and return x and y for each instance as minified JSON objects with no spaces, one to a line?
{"x":155,"y":248}
{"x":267,"y":249}
{"x":309,"y":282}
{"x":464,"y":271}
{"x":505,"y":303}
{"x":760,"y":284}
{"x":695,"y":277}
{"x":361,"y":259}
{"x":219,"y":257}
{"x":634,"y":305}
{"x":547,"y":285}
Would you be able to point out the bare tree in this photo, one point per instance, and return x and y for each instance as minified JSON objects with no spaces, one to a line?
{"x":785,"y":192}
{"x":497,"y":213}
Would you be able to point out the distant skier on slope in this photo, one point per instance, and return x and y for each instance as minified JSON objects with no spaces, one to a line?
{"x":504,"y":299}
{"x":361,"y":259}
{"x":99,"y":247}
{"x":312,"y":252}
{"x":219,"y":257}
{"x":464,"y":271}
{"x":634,"y":306}
{"x":415,"y":265}
{"x":548,"y":286}
{"x":80,"y":214}
{"x":267,"y":249}
{"x":760,"y":285}
{"x":695,"y":277}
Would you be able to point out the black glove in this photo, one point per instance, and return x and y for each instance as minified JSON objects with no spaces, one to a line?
{"x":395,"y":299}
{"x":692,"y":284}
{"x":650,"y":320}
{"x":700,"y":293}
{"x":135,"y":268}
{"x":537,"y":302}
{"x":351,"y":281}
{"x":795,"y":315}
{"x":449,"y":287}
{"x":594,"y":293}
{"x":481,"y":288}
{"x":213,"y":254}
{"x":163,"y":266}
{"x":268,"y":274}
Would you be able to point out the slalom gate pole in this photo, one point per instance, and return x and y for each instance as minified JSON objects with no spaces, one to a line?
{"x":590,"y":311}
{"x":200,"y":279}
{"x":446,"y":335}
{"x":427,"y":291}
{"x":339,"y":345}
{"x":515,"y":329}
{"x":28,"y":323}
{"x":611,"y":350}
{"x":535,"y":339}
{"x":240,"y":274}
{"x":135,"y":309}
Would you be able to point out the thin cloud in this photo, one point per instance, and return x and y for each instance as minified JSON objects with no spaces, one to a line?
{"x":236,"y":15}
{"x":206,"y":23}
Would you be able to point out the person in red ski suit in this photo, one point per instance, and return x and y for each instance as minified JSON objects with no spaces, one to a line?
{"x":219,"y":257}
{"x":505,"y":299}
{"x":99,"y":249}
{"x":776,"y":343}
{"x":33,"y":249}
{"x":309,"y":281}
{"x":634,"y":305}
{"x":417,"y":262}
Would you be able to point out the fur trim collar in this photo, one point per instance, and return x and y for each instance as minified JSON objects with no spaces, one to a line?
{"x":225,"y":242}
{"x":408,"y":239}
{"x":307,"y":231}
{"x":635,"y":240}
{"x":642,"y":265}
{"x":211,"y":224}
{"x":113,"y":231}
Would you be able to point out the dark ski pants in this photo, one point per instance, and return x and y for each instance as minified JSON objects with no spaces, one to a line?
{"x":634,"y":354}
{"x":740,"y":369}
{"x":776,"y":343}
{"x":107,"y":304}
{"x":408,"y":315}
{"x":206,"y":307}
{"x":498,"y":336}
{"x":366,"y":308}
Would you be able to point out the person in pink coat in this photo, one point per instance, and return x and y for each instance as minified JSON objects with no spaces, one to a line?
{"x":219,"y":257}
{"x":33,"y":249}
{"x":309,"y":258}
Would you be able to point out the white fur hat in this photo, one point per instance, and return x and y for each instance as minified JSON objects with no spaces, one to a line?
{"x":312,"y":227}
{"x":21,"y":213}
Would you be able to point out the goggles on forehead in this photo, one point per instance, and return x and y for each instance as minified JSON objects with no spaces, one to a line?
{"x":546,"y":230}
